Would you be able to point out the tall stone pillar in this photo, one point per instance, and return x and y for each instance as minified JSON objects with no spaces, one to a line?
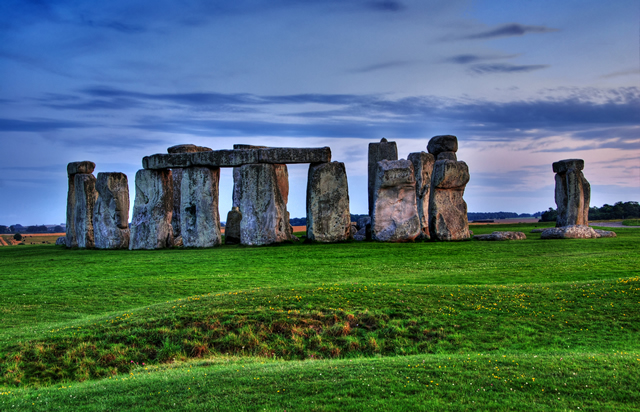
{"x":379,"y":151}
{"x":423,"y":168}
{"x":86,"y":196}
{"x":74,"y":168}
{"x":111,"y":213}
{"x":395,"y":215}
{"x":447,"y":208}
{"x":328,"y":218}
{"x":199,"y":215}
{"x":152,"y":209}
{"x":264,"y":211}
{"x":232,"y":227}
{"x":572,"y":194}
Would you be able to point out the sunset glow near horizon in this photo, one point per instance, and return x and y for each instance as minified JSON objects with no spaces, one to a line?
{"x":521,"y":84}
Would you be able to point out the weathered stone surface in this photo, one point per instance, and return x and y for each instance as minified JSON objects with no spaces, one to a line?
{"x":85,"y":167}
{"x":569,"y":232}
{"x":187,"y":148}
{"x":328,"y":218}
{"x":177,"y":242}
{"x":363,"y":222}
{"x":442,"y":143}
{"x":152,"y":209}
{"x":236,"y":176}
{"x":563,"y":166}
{"x":233,"y":158}
{"x":353,"y":229}
{"x":111,"y":213}
{"x":497,"y":236}
{"x":383,"y":150}
{"x":360,"y":235}
{"x":395,"y":215}
{"x":199,"y":217}
{"x":86,"y":195}
{"x":605,"y":233}
{"x":264,"y":213}
{"x":447,"y":208}
{"x":61,"y":241}
{"x":232,"y":226}
{"x":422,"y":169}
{"x":447,"y":156}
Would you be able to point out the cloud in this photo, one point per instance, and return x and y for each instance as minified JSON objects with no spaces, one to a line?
{"x":621,"y":73}
{"x":474,"y":58}
{"x":386,"y":5}
{"x":508,"y":30}
{"x":119,"y":26}
{"x":38,"y":125}
{"x":382,"y":66}
{"x":505,"y":68}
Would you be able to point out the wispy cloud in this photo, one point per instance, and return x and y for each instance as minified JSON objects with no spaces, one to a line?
{"x":39,"y":125}
{"x":474,"y":58}
{"x":508,"y":30}
{"x":505,"y":68}
{"x":631,"y":72}
{"x":382,"y":66}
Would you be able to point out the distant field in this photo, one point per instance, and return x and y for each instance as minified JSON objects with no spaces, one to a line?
{"x":533,"y":324}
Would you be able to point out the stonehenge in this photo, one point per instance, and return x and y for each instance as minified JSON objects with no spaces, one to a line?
{"x":423,"y":169}
{"x":384,"y":150}
{"x":152,"y":209}
{"x":85,"y":200}
{"x":111,"y":212}
{"x":199,"y":216}
{"x":74,"y":168}
{"x":572,"y":194}
{"x":328,"y":217}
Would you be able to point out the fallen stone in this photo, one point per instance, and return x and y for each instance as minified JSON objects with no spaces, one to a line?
{"x":447,"y":208}
{"x":569,"y":232}
{"x":328,"y":218}
{"x":395,"y":215}
{"x":497,"y":236}
{"x":422,"y":169}
{"x":442,"y":143}
{"x":199,"y":217}
{"x":85,"y":197}
{"x":605,"y":233}
{"x":61,"y":241}
{"x":384,"y":150}
{"x":111,"y":212}
{"x":152,"y":209}
{"x":232,"y":226}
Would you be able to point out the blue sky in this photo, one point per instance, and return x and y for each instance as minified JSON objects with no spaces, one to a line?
{"x":521,"y":83}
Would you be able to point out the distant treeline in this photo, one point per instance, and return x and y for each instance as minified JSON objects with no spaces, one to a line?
{"x":619,"y":210}
{"x":499,"y":215}
{"x":17,"y":228}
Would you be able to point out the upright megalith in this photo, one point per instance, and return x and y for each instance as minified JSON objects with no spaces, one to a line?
{"x":111,"y":212}
{"x":85,"y":200}
{"x":152,"y":210}
{"x":328,"y":218}
{"x":395,"y":215}
{"x":74,"y":168}
{"x":177,"y":182}
{"x":264,"y":211}
{"x":572,"y":194}
{"x":232,"y":226}
{"x":447,"y":208}
{"x":443,"y":147}
{"x":384,"y":150}
{"x":199,"y":216}
{"x":422,"y":169}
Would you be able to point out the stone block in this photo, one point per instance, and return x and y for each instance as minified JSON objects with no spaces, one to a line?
{"x":85,"y":167}
{"x":447,"y":208}
{"x":442,"y":143}
{"x":152,"y":209}
{"x":199,"y":216}
{"x":85,"y":200}
{"x":232,"y":226}
{"x":384,"y":150}
{"x":111,"y":213}
{"x":563,"y":166}
{"x":328,"y":218}
{"x":422,"y":169}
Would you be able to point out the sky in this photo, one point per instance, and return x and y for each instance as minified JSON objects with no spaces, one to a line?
{"x":522,"y":84}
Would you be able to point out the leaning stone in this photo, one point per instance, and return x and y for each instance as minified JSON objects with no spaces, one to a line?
{"x":497,"y":236}
{"x":447,"y":208}
{"x":199,"y":217}
{"x":187,"y":148}
{"x":232,"y":226}
{"x":73,"y":168}
{"x":61,"y":241}
{"x":264,"y":213}
{"x":152,"y":210}
{"x":422,"y":169}
{"x":569,"y":232}
{"x":605,"y":233}
{"x":447,"y":156}
{"x":86,"y":195}
{"x":328,"y":218}
{"x":111,"y":213}
{"x":395,"y":215}
{"x":563,"y":166}
{"x":442,"y":143}
{"x":378,"y":151}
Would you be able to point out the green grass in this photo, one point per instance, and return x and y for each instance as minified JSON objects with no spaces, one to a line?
{"x":79,"y":324}
{"x":631,"y":222}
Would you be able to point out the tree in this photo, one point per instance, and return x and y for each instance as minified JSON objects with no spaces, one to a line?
{"x":17,"y":237}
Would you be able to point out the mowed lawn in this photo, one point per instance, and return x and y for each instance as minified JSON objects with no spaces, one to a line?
{"x":534,"y":324}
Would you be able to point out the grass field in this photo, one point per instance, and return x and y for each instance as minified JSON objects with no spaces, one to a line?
{"x":533,"y":324}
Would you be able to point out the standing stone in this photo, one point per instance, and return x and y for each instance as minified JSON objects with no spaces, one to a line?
{"x":85,"y":198}
{"x":328,"y":218}
{"x":264,"y":212}
{"x":232,"y":227}
{"x":73,"y":168}
{"x":111,"y":213}
{"x":237,"y":184}
{"x":152,"y":210}
{"x":395,"y":215}
{"x":572,"y":194}
{"x":177,"y":182}
{"x":447,"y":208}
{"x":199,"y":216}
{"x":378,"y":151}
{"x":423,"y":167}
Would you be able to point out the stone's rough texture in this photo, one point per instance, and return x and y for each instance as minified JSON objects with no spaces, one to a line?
{"x":247,"y":146}
{"x":178,"y":241}
{"x":422,"y":169}
{"x":360,"y":235}
{"x":605,"y":233}
{"x":363,"y":222}
{"x":232,"y":227}
{"x":353,"y":229}
{"x":569,"y":232}
{"x":86,"y":195}
{"x":236,"y":176}
{"x":264,"y":213}
{"x":563,"y":166}
{"x":85,"y":167}
{"x":395,"y":215}
{"x":239,"y":157}
{"x":282,"y":177}
{"x":328,"y":218}
{"x":61,"y":241}
{"x":199,"y":217}
{"x":447,"y":208}
{"x":572,"y":193}
{"x":502,"y":236}
{"x":152,"y":210}
{"x":187,"y":148}
{"x":447,"y":156}
{"x":111,"y":212}
{"x":379,"y":151}
{"x":442,"y":143}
